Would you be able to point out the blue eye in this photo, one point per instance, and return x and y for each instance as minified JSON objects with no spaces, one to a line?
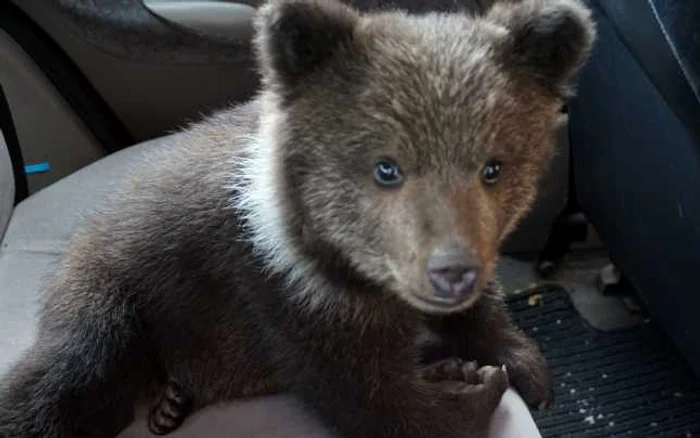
{"x":491,"y":172}
{"x":387,"y":173}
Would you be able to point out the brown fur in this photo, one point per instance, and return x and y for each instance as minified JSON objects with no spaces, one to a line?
{"x":257,"y":254}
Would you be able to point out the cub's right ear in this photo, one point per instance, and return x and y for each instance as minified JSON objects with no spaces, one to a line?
{"x":295,"y":37}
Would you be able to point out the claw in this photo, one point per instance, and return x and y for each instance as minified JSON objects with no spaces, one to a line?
{"x":505,"y":371}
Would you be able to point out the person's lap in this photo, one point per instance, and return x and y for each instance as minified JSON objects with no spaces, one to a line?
{"x":282,"y":417}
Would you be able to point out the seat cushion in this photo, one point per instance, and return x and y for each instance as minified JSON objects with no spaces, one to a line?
{"x":45,"y":221}
{"x":283,"y":416}
{"x":38,"y":231}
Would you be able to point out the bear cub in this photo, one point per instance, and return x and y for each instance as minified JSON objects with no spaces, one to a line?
{"x":321,"y":238}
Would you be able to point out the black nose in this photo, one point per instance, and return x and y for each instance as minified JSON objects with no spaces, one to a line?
{"x":453,"y":274}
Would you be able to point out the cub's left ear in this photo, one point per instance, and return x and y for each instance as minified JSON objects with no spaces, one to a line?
{"x":548,"y":40}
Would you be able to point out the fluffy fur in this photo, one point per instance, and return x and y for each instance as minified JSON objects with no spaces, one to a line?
{"x":257,"y":255}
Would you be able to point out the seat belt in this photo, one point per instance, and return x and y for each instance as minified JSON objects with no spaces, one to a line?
{"x":10,"y":134}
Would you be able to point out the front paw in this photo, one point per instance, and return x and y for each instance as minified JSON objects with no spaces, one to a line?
{"x":457,"y":379}
{"x":452,"y":369}
{"x":529,"y":375}
{"x":480,"y":393}
{"x":447,"y":369}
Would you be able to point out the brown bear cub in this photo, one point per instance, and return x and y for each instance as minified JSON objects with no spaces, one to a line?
{"x":320,"y":238}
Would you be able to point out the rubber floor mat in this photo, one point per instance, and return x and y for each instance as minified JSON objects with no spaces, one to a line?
{"x":607,"y":384}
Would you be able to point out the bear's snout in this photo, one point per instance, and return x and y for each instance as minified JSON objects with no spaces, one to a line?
{"x":453,"y":273}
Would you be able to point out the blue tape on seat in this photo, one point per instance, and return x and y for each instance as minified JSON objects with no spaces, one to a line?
{"x":37,"y":168}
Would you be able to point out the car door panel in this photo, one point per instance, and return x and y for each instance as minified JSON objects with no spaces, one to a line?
{"x":153,"y":73}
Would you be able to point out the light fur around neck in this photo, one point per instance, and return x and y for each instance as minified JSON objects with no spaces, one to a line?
{"x":259,"y":200}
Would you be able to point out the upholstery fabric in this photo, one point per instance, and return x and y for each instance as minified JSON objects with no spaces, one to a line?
{"x":679,"y":20}
{"x":38,"y":230}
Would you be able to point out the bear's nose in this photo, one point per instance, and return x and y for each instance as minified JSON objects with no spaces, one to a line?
{"x":453,"y":274}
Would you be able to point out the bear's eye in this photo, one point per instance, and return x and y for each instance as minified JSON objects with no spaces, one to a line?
{"x":387,"y":173}
{"x":491,"y":172}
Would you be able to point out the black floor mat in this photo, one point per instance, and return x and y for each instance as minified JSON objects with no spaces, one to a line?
{"x":626,"y":383}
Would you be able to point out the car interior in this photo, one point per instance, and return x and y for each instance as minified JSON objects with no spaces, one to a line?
{"x":601,"y":273}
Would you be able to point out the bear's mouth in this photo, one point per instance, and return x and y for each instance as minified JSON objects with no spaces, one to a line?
{"x":447,"y":304}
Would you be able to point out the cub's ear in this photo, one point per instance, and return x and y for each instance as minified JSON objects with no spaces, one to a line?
{"x":295,"y":37}
{"x":548,"y":40}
